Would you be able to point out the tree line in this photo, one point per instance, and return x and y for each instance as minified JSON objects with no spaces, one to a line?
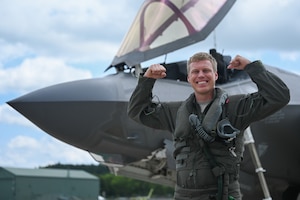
{"x":112,"y":186}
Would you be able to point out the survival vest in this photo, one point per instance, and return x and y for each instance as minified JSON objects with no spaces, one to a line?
{"x":205,"y":143}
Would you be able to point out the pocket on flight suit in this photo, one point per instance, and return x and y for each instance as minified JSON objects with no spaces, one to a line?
{"x":195,"y":179}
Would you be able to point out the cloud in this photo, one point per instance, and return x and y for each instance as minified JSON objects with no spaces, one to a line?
{"x":255,"y":25}
{"x":34,"y":73}
{"x":73,"y":30}
{"x":12,"y":51}
{"x":290,"y":56}
{"x":25,"y":151}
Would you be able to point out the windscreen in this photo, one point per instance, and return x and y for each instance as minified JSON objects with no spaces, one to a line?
{"x":162,"y":26}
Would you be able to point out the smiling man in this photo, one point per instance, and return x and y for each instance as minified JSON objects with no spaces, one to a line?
{"x":202,"y":77}
{"x":208,"y":126}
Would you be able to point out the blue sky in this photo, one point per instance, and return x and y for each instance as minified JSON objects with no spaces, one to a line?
{"x":59,"y":41}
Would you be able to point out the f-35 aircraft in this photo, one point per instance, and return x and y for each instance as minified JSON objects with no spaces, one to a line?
{"x":92,"y":114}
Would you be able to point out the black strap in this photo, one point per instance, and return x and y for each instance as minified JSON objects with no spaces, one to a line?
{"x":217,"y":170}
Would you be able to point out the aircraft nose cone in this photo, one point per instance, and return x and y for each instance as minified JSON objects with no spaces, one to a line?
{"x":73,"y":112}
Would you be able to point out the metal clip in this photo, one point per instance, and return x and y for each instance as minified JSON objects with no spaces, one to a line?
{"x":231,"y":150}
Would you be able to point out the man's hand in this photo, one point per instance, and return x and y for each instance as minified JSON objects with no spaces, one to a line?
{"x":155,"y":71}
{"x":238,"y":63}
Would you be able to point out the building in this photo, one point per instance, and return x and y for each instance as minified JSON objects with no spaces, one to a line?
{"x":47,"y":184}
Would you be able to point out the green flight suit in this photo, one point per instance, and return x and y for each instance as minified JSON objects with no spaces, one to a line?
{"x":195,"y":179}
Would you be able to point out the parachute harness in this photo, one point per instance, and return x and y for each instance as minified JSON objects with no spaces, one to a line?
{"x":216,"y":129}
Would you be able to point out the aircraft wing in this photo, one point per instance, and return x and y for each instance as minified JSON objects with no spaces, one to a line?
{"x":161,"y":27}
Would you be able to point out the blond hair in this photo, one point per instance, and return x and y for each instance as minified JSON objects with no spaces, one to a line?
{"x":202,"y":56}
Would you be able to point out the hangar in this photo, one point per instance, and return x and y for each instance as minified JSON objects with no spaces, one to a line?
{"x":46,"y":184}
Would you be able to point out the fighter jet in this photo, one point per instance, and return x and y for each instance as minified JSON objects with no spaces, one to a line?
{"x":92,"y":114}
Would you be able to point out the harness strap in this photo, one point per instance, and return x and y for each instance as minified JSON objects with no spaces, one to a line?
{"x":217,"y":170}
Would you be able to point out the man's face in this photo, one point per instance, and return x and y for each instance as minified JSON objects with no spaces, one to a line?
{"x":202,"y":77}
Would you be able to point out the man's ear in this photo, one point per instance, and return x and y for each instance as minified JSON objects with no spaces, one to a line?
{"x":188,"y":78}
{"x":216,"y":75}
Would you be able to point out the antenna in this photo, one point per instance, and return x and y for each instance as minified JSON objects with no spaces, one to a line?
{"x":166,"y":55}
{"x":215,"y":39}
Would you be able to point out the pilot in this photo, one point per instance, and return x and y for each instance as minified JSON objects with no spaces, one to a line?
{"x":208,"y":126}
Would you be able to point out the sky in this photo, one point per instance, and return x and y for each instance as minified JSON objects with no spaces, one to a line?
{"x":47,"y":42}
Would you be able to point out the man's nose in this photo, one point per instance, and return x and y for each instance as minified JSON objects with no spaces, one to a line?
{"x":200,"y":74}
